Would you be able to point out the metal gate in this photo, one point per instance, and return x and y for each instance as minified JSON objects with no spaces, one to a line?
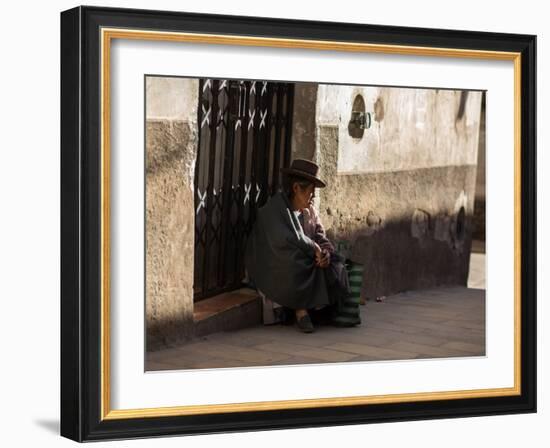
{"x":244,"y":140}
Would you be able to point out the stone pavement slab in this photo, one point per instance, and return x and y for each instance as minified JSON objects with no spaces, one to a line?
{"x":436,"y":323}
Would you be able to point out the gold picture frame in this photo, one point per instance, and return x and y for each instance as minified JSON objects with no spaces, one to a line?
{"x":91,"y":394}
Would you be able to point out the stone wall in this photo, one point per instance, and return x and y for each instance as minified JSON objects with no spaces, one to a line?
{"x":479,"y":206}
{"x":400,"y":199}
{"x":406,"y":227}
{"x":304,"y":125}
{"x":171,"y":147}
{"x":411,"y":128}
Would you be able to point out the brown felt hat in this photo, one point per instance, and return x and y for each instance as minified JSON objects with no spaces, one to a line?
{"x":305,"y":169}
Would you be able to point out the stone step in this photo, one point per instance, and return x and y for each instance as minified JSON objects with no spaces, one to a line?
{"x":228,"y":311}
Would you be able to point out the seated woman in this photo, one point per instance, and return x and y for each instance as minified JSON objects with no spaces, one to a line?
{"x":288,"y":256}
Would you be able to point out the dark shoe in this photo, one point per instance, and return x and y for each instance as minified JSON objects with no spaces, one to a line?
{"x":321,"y":316}
{"x":304,"y":324}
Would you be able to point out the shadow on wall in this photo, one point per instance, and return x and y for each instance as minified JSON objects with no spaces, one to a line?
{"x":415,"y":252}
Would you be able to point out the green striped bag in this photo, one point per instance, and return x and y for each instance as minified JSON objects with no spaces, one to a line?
{"x":348,"y":313}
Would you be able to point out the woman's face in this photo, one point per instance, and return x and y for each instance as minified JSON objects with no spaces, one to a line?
{"x":303,"y":197}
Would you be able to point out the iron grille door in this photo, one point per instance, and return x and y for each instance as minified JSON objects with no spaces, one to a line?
{"x":244,"y":140}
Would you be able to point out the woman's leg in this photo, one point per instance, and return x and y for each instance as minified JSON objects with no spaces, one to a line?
{"x":303,"y":321}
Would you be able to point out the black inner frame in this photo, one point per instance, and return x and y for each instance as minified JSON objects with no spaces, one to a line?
{"x":80,"y":223}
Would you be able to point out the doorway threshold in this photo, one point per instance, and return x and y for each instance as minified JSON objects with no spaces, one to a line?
{"x":228,"y":311}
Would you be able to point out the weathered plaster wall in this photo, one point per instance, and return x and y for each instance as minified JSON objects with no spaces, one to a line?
{"x":481,"y":165}
{"x":403,"y":226}
{"x":171,"y":147}
{"x":400,"y":200}
{"x":303,"y":144}
{"x":479,"y":205}
{"x":172,"y":98}
{"x":411,"y":128}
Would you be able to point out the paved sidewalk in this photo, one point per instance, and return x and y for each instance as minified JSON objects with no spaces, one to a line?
{"x":476,"y":279}
{"x":446,"y":322}
{"x":435,"y":323}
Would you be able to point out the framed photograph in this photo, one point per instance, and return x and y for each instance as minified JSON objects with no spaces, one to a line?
{"x":273,"y":223}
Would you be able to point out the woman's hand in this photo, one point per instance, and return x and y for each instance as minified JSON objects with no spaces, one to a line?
{"x":325,"y":259}
{"x":318,"y":254}
{"x":322,"y":257}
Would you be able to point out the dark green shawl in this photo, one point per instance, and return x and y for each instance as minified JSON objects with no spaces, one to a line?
{"x":280,"y":258}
